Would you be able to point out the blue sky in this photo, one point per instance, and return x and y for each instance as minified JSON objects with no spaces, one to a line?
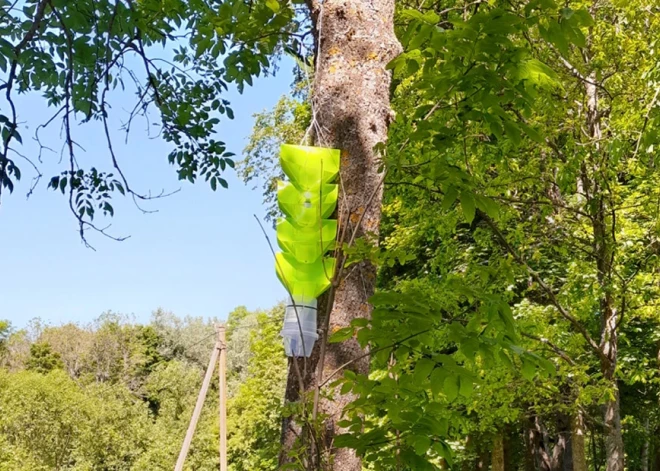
{"x":201,"y":254}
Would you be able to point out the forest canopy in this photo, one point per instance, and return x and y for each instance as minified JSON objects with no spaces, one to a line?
{"x":119,"y":395}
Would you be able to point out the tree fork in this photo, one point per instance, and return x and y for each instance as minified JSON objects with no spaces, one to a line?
{"x":351,"y":111}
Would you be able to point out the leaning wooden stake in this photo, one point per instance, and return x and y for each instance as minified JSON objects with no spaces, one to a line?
{"x":222,"y":373}
{"x":198,"y":408}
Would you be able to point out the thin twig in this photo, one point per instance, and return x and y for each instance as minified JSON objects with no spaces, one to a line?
{"x":370,"y":352}
{"x":560,"y":353}
{"x":646,"y":122}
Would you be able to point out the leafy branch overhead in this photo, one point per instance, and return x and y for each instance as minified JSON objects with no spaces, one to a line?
{"x":177,"y":57}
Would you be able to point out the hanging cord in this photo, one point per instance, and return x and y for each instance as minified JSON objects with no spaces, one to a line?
{"x":315,"y":124}
{"x":311,"y":104}
{"x":293,"y":304}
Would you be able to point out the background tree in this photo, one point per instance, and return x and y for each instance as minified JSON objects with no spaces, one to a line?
{"x":58,"y":412}
{"x":563,"y":223}
{"x":254,"y":422}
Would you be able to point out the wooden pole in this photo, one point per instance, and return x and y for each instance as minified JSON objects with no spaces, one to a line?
{"x":222,"y":373}
{"x":198,"y":408}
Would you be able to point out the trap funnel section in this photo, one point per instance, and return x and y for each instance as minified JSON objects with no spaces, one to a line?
{"x":305,"y":234}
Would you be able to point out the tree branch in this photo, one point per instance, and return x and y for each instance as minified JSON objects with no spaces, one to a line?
{"x":560,"y":353}
{"x":348,"y":363}
{"x":548,"y":290}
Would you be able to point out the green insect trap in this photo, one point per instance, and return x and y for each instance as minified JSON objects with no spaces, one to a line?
{"x":305,"y":235}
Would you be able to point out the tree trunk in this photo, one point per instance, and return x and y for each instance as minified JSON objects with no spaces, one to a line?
{"x":646,"y":446}
{"x":578,"y":444}
{"x":497,"y":459}
{"x":531,"y":449}
{"x":604,"y":248}
{"x":612,"y":415}
{"x":351,"y":109}
{"x":507,"y":449}
{"x":541,"y":441}
{"x":568,"y":454}
{"x":540,"y":454}
{"x":561,"y":454}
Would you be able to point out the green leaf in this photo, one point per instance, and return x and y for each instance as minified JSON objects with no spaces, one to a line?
{"x":346,"y":388}
{"x":506,"y":316}
{"x":413,"y":14}
{"x":451,"y":387}
{"x":360,"y":322}
{"x":548,"y":366}
{"x":469,"y":348}
{"x":422,"y":443}
{"x":412,"y":66}
{"x":438,"y":377}
{"x":528,"y":369}
{"x":443,"y":450}
{"x":512,"y":131}
{"x":443,"y":427}
{"x":450,"y":196}
{"x":488,"y":206}
{"x":466,"y":387}
{"x":584,"y":17}
{"x":341,"y":335}
{"x":504,"y":358}
{"x":468,"y":205}
{"x":423,"y":368}
{"x":274,"y":5}
{"x":344,"y":440}
{"x":556,"y":36}
{"x":532,"y":133}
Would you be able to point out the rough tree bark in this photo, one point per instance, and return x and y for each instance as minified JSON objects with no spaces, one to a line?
{"x":497,"y":459}
{"x":351,"y":112}
{"x":578,"y":449}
